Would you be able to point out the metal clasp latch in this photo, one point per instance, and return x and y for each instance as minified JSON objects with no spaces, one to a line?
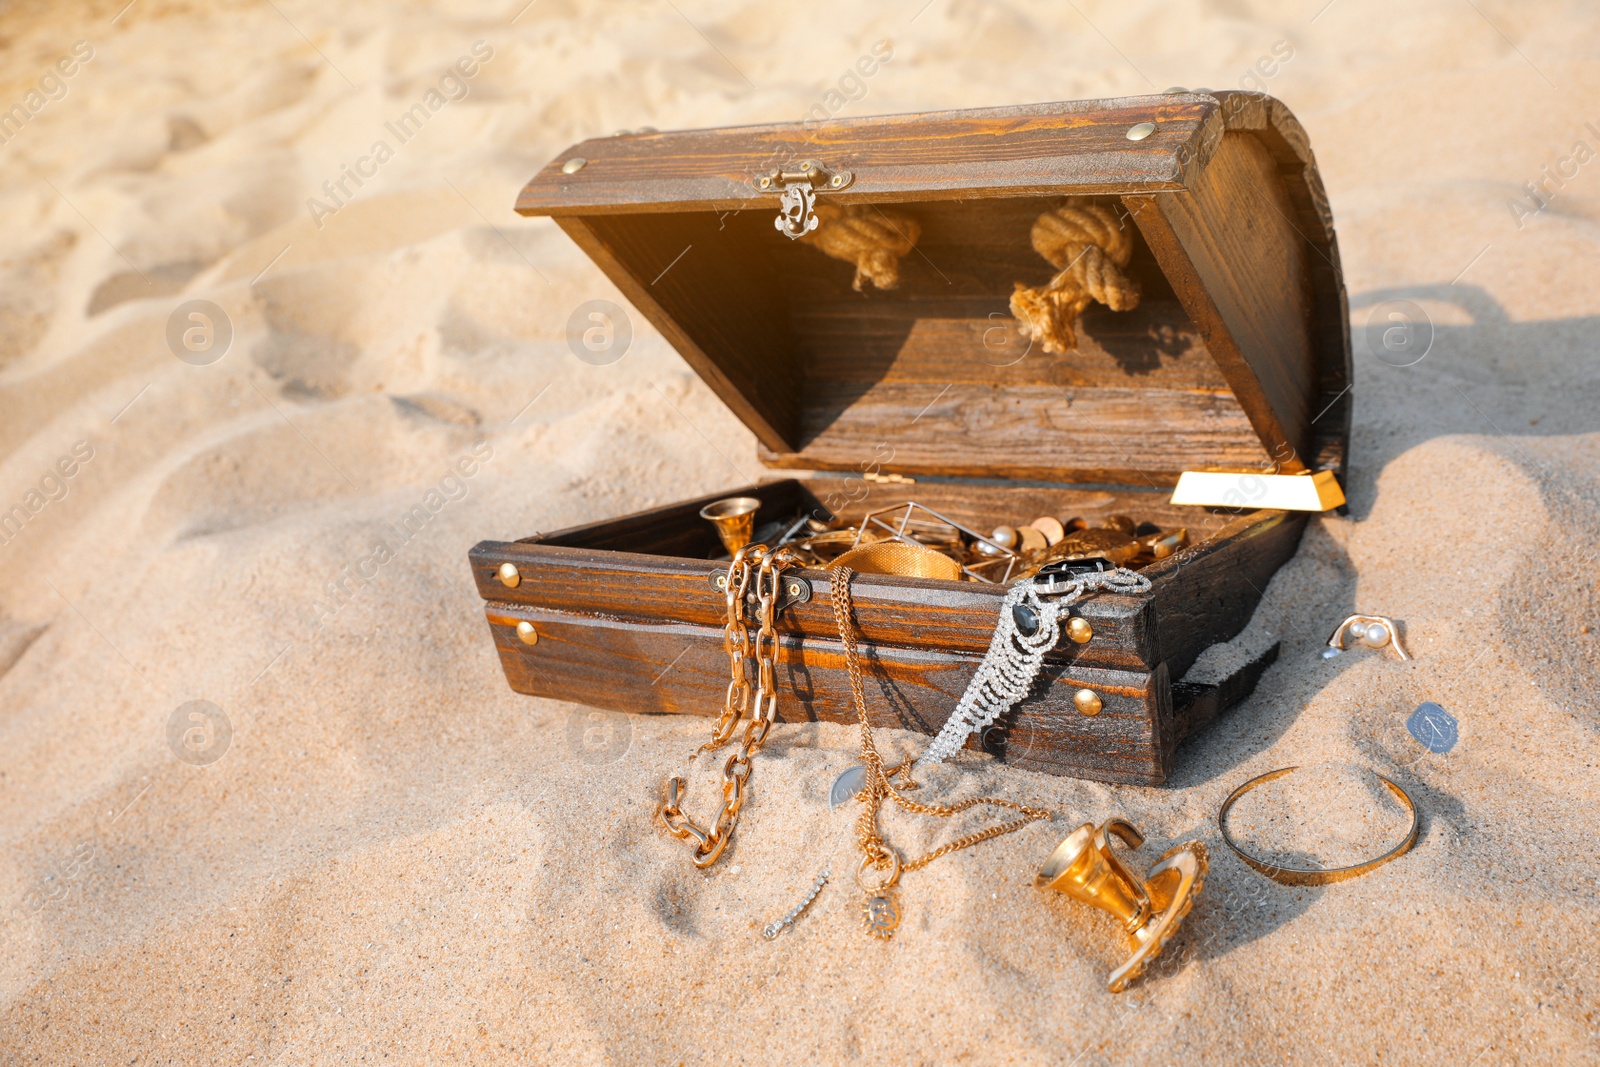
{"x":791,"y":589}
{"x":797,"y":204}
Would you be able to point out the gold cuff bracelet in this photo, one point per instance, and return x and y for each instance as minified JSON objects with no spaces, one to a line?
{"x":1314,"y":875}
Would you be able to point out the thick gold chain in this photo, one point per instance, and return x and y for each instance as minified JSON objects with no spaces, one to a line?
{"x":877,"y":853}
{"x":753,"y":562}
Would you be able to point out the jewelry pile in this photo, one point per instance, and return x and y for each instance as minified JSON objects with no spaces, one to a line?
{"x":934,"y":546}
{"x":1052,"y":565}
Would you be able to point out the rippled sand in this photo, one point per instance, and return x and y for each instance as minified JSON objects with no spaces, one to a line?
{"x":396,"y":859}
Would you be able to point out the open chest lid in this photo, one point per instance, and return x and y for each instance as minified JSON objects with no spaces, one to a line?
{"x":1236,"y":357}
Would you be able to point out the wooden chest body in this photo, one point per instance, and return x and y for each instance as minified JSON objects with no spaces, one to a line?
{"x":1236,"y":359}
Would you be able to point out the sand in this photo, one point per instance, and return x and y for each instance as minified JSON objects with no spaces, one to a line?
{"x":396,"y":859}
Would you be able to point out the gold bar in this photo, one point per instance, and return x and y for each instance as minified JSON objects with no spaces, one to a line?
{"x":1284,"y":492}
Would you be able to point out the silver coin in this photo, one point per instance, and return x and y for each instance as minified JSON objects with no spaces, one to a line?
{"x":847,"y":785}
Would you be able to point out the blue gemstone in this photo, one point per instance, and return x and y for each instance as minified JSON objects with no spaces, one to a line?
{"x":1434,"y":727}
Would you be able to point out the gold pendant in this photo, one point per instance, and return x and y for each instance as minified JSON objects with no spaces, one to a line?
{"x":880,"y":913}
{"x":880,"y":906}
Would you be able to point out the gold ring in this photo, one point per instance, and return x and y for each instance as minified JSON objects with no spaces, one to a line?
{"x":1314,"y":875}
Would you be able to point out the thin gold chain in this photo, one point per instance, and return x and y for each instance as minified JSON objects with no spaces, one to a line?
{"x":879,"y":786}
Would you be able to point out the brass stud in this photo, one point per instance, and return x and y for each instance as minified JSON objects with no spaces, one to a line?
{"x":1087,"y":701}
{"x":529,"y":636}
{"x":722,"y":581}
{"x":510,"y":577}
{"x":574,"y":165}
{"x":1140,"y":131}
{"x":794,"y":588}
{"x":1080,"y":631}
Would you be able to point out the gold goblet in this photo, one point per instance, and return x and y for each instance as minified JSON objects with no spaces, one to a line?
{"x":735,"y":520}
{"x":1150,"y":909}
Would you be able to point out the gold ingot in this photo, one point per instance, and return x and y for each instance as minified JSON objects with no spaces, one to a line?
{"x":898,"y":557}
{"x":510,"y":577}
{"x":1080,"y":631}
{"x":1284,"y":492}
{"x":735,"y":520}
{"x":1087,"y":701}
{"x":1150,"y":909}
{"x":526,"y":633}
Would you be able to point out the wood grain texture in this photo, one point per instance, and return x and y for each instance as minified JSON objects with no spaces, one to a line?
{"x":1237,"y":358}
{"x":682,"y":669}
{"x":737,"y":345}
{"x":1207,"y":595}
{"x":1217,"y":244}
{"x":1276,"y":128}
{"x":1035,"y":149}
{"x":1195,"y":706}
{"x":900,"y":375}
{"x":824,"y":376}
{"x":622,"y":628}
{"x":606,"y":569}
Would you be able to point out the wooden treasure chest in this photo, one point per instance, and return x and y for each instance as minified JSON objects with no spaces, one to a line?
{"x":989,"y":321}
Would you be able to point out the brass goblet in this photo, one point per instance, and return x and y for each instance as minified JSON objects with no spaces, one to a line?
{"x":735,"y":520}
{"x":1150,"y":909}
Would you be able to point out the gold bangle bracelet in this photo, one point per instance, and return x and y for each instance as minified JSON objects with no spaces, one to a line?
{"x":1314,"y":875}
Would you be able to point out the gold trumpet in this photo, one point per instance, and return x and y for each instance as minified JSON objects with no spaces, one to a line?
{"x":1150,"y":909}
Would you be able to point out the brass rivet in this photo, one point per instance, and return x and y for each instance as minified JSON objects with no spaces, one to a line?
{"x":722,"y":581}
{"x":510,"y":577}
{"x":838,"y":179}
{"x":529,"y":636}
{"x":574,"y":165}
{"x":765,"y":182}
{"x":1087,"y":701}
{"x":1079,"y":630}
{"x":794,"y":588}
{"x":1141,"y":131}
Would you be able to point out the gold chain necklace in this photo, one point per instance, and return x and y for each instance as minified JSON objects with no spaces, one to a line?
{"x":881,"y":909}
{"x":751,"y":563}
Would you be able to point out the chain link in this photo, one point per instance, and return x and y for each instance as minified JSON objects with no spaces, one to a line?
{"x":877,"y":853}
{"x":753,"y":562}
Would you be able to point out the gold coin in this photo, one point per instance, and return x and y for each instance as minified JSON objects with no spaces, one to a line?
{"x":1051,"y":528}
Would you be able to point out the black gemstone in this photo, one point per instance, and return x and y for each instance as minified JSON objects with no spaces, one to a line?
{"x":1027,"y":620}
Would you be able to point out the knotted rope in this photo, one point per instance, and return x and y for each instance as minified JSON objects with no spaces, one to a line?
{"x":1088,"y":245}
{"x":870,"y":237}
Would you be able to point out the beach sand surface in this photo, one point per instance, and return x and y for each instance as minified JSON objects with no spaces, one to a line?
{"x":396,"y":859}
